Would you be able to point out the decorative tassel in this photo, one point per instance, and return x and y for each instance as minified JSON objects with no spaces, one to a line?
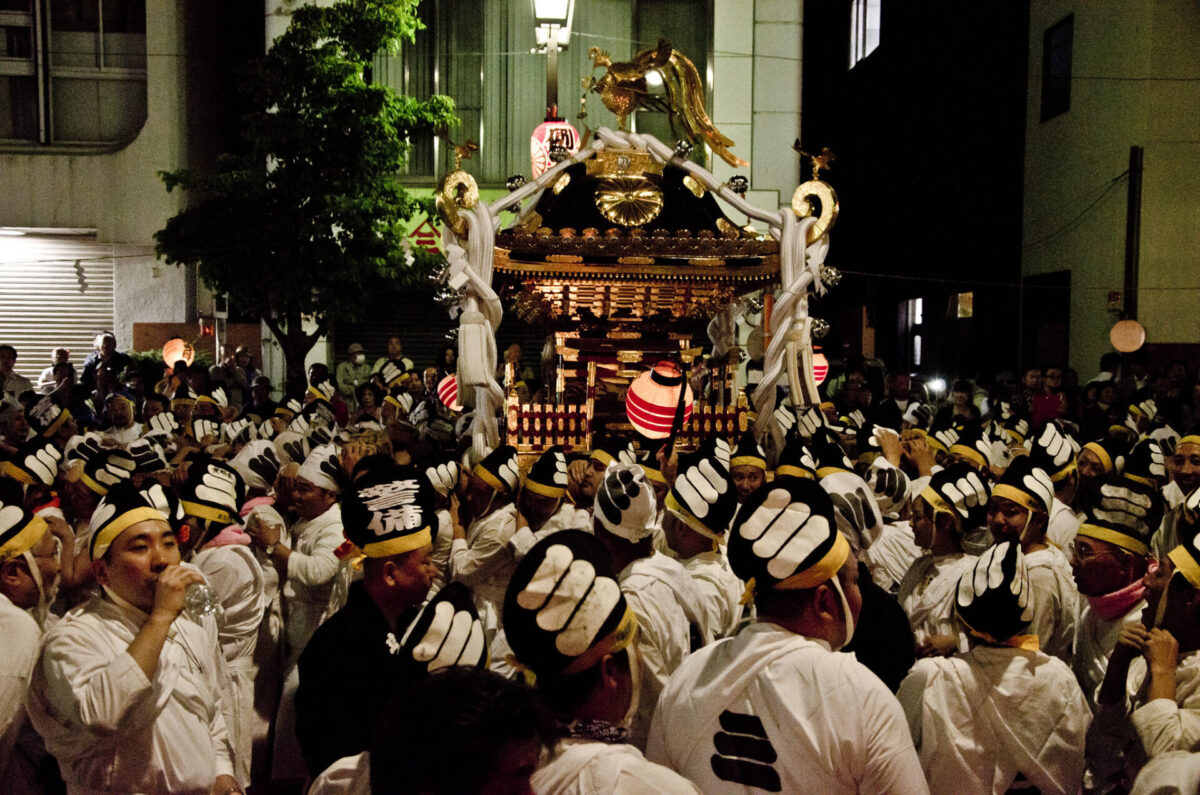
{"x":748,"y":594}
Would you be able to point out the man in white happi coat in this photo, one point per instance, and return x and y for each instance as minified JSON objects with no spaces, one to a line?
{"x":1110,"y":558}
{"x":699,"y":509}
{"x":541,"y":509}
{"x":775,"y":708}
{"x":1051,"y":450}
{"x":307,"y":567}
{"x":1149,"y":701}
{"x":127,"y":692}
{"x":952,"y":503}
{"x":29,"y":568}
{"x":661,"y":594}
{"x":573,"y":629}
{"x":1003,"y":714}
{"x":1018,"y":511}
{"x":209,"y":499}
{"x":480,"y":555}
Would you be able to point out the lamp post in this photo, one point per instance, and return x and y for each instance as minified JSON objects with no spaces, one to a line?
{"x":552,"y":21}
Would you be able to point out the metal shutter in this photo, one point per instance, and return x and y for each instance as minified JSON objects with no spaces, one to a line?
{"x":55,"y":290}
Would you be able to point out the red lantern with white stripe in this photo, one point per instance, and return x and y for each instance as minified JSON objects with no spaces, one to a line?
{"x":653,"y":397}
{"x":447,"y":390}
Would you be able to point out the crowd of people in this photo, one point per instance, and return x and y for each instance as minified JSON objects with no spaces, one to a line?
{"x":207,"y":590}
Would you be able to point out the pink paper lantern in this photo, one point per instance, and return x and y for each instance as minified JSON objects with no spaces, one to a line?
{"x":549,"y":134}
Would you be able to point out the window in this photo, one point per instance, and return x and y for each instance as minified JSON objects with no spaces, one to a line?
{"x":864,"y":28}
{"x":916,"y":311}
{"x":964,"y":305}
{"x":72,"y":72}
{"x":916,"y":350}
{"x":1057,"y":46}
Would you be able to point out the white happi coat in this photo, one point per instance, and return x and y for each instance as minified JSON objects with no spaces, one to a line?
{"x":981,"y":718}
{"x":311,"y":570}
{"x":1055,"y":602}
{"x":772,"y":710}
{"x":18,"y":652}
{"x":112,"y":729}
{"x":1124,"y":735}
{"x":927,"y":595}
{"x":1172,"y":773}
{"x":1062,"y":525}
{"x":656,"y":589}
{"x":1095,"y":639}
{"x":238,"y":581}
{"x":584,"y":767}
{"x":484,"y":562}
{"x":719,"y":592}
{"x":891,"y":556}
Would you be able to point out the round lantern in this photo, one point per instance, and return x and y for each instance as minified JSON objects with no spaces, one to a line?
{"x":653,"y":397}
{"x":549,"y":134}
{"x":177,"y":349}
{"x":1127,"y":335}
{"x":820,"y":367}
{"x":447,"y":390}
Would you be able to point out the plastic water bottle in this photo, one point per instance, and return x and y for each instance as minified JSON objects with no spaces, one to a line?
{"x":199,"y":601}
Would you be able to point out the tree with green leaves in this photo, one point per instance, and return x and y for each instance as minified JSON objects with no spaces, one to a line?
{"x":301,"y":224}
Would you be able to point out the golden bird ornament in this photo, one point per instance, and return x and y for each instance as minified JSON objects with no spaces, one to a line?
{"x":623,"y":89}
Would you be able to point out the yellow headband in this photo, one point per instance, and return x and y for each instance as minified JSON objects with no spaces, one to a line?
{"x":1185,"y":564}
{"x":602,"y":456}
{"x":1068,"y":469}
{"x":202,"y":511}
{"x":1024,"y":499}
{"x":654,"y":474}
{"x":783,"y":470}
{"x":748,"y":461}
{"x":24,"y":539}
{"x":939,"y":504}
{"x":9,"y":469}
{"x":107,"y":534}
{"x":53,"y":427}
{"x":1190,"y":439}
{"x":823,"y":570}
{"x":1113,"y":537}
{"x":543,"y":489}
{"x":969,"y":453}
{"x":681,"y":513}
{"x":490,"y":479}
{"x":399,"y":544}
{"x":1099,"y":451}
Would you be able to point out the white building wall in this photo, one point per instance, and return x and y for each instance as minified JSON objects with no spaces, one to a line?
{"x":1133,"y":83}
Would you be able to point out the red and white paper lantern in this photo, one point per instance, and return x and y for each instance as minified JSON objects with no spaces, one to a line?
{"x":549,"y":134}
{"x":447,"y":390}
{"x":653,"y":397}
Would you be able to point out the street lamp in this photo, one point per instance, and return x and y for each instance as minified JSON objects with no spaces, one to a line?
{"x":552,"y":20}
{"x":553,"y":27}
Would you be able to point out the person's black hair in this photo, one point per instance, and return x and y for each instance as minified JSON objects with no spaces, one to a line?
{"x":447,"y":733}
{"x":6,"y":347}
{"x":369,"y":387}
{"x":962,"y":386}
{"x":377,"y":462}
{"x":157,"y":397}
{"x":1110,"y":361}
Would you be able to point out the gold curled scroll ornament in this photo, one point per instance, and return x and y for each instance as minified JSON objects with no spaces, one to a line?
{"x":456,"y":191}
{"x":802,"y":206}
{"x":628,"y":201}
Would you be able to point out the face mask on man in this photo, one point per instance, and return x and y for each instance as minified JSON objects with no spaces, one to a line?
{"x":359,"y":358}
